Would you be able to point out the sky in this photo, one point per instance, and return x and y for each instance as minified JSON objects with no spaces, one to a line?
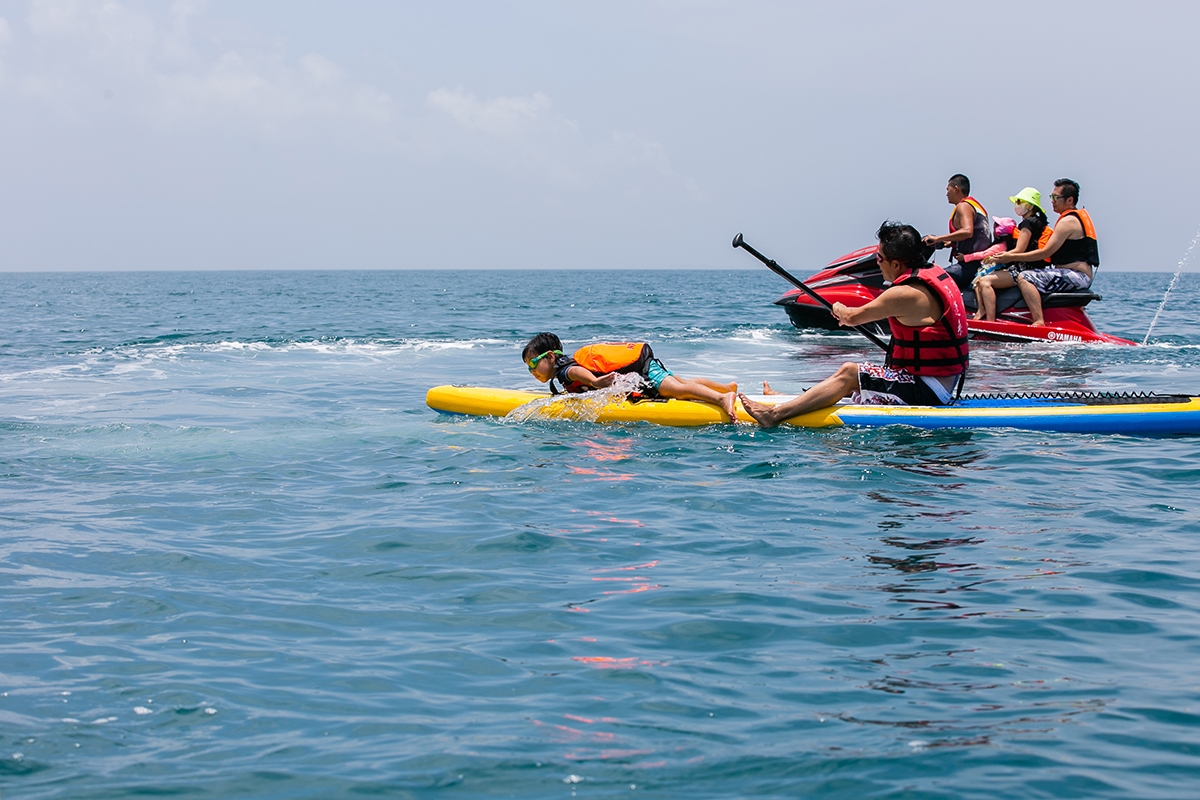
{"x":384,"y":134}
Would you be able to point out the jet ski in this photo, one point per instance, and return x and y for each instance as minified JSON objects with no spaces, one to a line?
{"x":855,"y":279}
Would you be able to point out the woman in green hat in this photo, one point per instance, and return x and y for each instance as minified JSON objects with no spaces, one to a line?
{"x":1032,"y":233}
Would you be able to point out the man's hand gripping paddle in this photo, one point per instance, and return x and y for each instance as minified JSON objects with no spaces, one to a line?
{"x":787,"y":276}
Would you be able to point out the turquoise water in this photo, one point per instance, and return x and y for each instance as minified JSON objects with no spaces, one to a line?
{"x":241,"y":558}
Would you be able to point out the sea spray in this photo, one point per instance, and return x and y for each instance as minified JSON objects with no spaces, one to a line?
{"x":584,"y":407}
{"x":1171,"y":286}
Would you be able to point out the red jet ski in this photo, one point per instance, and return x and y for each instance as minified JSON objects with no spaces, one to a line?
{"x":855,"y":280}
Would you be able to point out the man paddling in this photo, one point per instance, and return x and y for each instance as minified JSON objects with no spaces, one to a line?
{"x":928,"y":352}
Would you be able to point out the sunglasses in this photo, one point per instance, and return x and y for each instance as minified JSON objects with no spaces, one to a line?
{"x":533,"y":362}
{"x":1056,"y":197}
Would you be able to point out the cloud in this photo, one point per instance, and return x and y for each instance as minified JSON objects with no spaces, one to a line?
{"x":69,"y":54}
{"x":145,"y":65}
{"x":263,"y":94}
{"x":525,"y":137}
{"x":497,"y":116}
{"x":177,"y":112}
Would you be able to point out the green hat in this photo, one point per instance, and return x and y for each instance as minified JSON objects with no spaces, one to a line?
{"x":1028,"y":195}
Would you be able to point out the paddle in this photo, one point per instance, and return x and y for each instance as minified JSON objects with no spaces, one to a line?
{"x":787,"y":276}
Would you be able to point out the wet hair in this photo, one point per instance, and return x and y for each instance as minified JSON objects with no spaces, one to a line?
{"x":899,"y":242}
{"x":539,"y":344}
{"x":961,"y":182}
{"x":1069,"y":189}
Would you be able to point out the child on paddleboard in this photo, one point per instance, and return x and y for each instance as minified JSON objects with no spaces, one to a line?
{"x":596,"y":366}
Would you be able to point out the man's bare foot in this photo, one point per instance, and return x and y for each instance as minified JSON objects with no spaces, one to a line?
{"x":1038,"y":323}
{"x":768,"y":390}
{"x":763,"y":414}
{"x":978,"y":315}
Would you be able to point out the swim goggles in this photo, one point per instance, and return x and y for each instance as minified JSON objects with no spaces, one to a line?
{"x":533,"y":362}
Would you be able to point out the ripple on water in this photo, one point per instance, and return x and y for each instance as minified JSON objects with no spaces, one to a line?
{"x":262,"y":520}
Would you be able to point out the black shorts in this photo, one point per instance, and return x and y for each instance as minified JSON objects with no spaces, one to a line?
{"x":962,"y":273}
{"x":885,"y":386}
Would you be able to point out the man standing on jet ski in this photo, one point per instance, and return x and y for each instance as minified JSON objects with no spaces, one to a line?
{"x":1072,"y":251}
{"x":928,"y":355}
{"x":970,"y":231}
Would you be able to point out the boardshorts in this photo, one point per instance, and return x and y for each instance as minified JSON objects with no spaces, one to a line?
{"x":1049,"y":280}
{"x":656,"y":373}
{"x":885,"y":386}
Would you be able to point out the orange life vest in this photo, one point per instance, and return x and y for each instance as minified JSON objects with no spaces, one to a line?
{"x":1075,"y":250}
{"x":1045,"y":237}
{"x":1047,"y":232}
{"x":607,"y":357}
{"x":601,"y":359}
{"x":939,"y":349}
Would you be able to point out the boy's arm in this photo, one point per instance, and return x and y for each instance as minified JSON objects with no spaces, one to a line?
{"x":589,"y":378}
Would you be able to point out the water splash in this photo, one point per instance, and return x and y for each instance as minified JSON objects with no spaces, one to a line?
{"x":1174,"y":280}
{"x":585,"y":407}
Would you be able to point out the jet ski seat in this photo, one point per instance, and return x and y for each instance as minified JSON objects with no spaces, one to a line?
{"x":1010,"y":299}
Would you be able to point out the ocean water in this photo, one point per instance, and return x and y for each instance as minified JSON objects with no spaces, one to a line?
{"x":239,"y":557}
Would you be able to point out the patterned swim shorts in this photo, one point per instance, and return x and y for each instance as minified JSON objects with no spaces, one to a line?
{"x":1057,"y":279}
{"x":885,"y":386}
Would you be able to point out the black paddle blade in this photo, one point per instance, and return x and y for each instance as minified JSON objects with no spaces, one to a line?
{"x":737,"y":240}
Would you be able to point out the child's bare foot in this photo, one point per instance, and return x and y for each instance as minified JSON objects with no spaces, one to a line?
{"x":763,"y":414}
{"x":729,"y":403}
{"x":715,"y":386}
{"x":768,"y":390}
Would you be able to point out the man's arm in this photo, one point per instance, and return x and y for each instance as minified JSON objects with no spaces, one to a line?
{"x":1061,"y":233}
{"x":908,"y":304}
{"x":964,"y":217}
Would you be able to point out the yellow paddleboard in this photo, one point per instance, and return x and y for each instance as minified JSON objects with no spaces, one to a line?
{"x":479,"y":401}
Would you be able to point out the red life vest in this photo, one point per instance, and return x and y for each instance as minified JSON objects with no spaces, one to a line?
{"x":935,"y":350}
{"x":601,"y":359}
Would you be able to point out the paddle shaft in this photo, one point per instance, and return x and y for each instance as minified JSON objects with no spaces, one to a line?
{"x":792,"y":279}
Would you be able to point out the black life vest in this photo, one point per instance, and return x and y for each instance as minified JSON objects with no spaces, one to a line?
{"x":981,"y":227}
{"x":1073,"y":251}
